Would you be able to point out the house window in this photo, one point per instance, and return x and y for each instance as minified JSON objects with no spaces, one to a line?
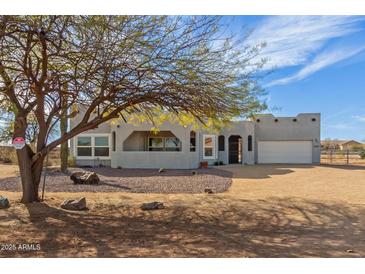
{"x":164,"y":144}
{"x":220,"y":143}
{"x":92,"y":146}
{"x":172,"y":144}
{"x":249,"y":143}
{"x":101,"y":148}
{"x":84,"y":147}
{"x":209,"y":147}
{"x":155,"y":144}
{"x":192,"y":141}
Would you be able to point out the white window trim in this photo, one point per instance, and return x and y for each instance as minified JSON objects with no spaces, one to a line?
{"x":93,"y":157}
{"x":213,"y":147}
{"x":90,"y":146}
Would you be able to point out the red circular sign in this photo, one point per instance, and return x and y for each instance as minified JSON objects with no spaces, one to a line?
{"x":18,"y":142}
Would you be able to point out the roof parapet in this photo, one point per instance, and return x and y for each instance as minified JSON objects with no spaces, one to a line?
{"x":269,"y":115}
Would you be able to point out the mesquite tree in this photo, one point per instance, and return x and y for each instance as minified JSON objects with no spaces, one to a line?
{"x":115,"y":66}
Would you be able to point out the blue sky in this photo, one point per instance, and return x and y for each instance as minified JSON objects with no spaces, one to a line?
{"x":319,"y":66}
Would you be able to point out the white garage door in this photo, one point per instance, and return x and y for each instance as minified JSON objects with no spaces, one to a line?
{"x":285,"y":152}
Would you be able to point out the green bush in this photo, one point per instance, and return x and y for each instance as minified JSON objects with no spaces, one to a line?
{"x":362,"y":155}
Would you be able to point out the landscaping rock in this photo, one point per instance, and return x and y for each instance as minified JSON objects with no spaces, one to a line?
{"x":131,"y":180}
{"x":79,"y":204}
{"x":152,"y":206}
{"x":85,"y":178}
{"x":161,"y":170}
{"x":4,"y":202}
{"x":208,"y":190}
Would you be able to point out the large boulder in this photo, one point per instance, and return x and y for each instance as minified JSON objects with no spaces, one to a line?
{"x":4,"y":203}
{"x":152,"y":206}
{"x":78,"y":204}
{"x":85,"y":178}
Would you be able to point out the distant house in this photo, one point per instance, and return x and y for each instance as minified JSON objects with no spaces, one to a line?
{"x":340,"y":144}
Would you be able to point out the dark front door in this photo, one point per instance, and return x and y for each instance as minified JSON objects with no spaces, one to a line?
{"x":235,"y":149}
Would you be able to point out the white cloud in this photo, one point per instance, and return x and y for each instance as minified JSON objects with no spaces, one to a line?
{"x":322,"y":60}
{"x":291,"y":40}
{"x":360,"y":118}
{"x":341,"y":126}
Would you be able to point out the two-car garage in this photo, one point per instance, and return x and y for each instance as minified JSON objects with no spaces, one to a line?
{"x":284,"y":152}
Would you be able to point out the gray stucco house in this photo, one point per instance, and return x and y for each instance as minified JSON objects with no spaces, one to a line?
{"x":264,"y":140}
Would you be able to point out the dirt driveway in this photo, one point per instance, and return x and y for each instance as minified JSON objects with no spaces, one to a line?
{"x":338,"y":183}
{"x":269,"y":211}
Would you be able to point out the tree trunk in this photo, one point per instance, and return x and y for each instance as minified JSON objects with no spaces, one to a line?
{"x":64,"y":145}
{"x":63,"y":131}
{"x":30,"y":174}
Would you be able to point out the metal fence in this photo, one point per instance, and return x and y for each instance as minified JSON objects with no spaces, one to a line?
{"x":333,"y":156}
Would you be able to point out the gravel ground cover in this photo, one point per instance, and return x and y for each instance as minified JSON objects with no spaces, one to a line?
{"x":134,"y":180}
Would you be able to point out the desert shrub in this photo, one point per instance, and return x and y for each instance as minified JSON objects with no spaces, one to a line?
{"x":71,"y":161}
{"x":8,"y":155}
{"x":7,"y":160}
{"x":362,"y":154}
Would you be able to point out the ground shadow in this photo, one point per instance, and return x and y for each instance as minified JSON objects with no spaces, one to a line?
{"x":264,"y":171}
{"x":117,"y":186}
{"x":242,"y":228}
{"x":261,"y":171}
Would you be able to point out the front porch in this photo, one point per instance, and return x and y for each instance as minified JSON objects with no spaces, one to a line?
{"x":169,"y":148}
